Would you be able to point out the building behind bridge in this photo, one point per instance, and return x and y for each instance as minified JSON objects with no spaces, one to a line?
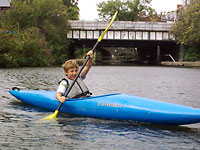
{"x":4,"y":5}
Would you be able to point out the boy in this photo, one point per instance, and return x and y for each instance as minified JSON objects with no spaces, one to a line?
{"x":79,"y":89}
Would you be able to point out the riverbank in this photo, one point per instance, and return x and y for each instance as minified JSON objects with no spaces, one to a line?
{"x":185,"y":64}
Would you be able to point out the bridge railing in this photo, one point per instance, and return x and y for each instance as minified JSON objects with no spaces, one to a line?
{"x":121,"y":25}
{"x":120,"y":30}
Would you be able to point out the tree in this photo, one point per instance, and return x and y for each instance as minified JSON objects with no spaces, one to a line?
{"x":187,"y":30}
{"x":48,"y":15}
{"x":73,"y":9}
{"x":49,"y":18}
{"x":128,"y":10}
{"x":24,"y":48}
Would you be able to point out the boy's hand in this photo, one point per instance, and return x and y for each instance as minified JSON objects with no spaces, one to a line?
{"x":62,"y":99}
{"x":90,"y":53}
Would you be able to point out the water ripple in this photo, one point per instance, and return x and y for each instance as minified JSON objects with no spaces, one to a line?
{"x":20,"y":129}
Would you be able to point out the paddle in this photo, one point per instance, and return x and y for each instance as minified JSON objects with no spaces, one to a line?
{"x":52,"y":116}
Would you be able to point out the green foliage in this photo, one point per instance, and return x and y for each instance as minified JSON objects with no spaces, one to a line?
{"x":187,"y":30}
{"x":48,"y":15}
{"x":41,"y":28}
{"x":80,"y":53}
{"x":73,"y":9}
{"x":192,"y":53}
{"x":25,"y":48}
{"x":128,"y":10}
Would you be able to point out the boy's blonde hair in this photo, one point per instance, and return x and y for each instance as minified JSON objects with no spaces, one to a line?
{"x":72,"y":63}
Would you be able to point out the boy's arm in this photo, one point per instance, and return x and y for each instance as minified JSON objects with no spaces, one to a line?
{"x":61,"y":98}
{"x":61,"y":89}
{"x":88,"y":65}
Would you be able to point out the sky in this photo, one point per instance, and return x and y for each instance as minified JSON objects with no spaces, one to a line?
{"x":88,"y":8}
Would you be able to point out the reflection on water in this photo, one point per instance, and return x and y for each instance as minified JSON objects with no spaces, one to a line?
{"x":19,"y":128}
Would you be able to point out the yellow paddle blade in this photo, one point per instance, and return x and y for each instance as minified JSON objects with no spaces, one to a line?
{"x":52,"y":116}
{"x":102,"y":35}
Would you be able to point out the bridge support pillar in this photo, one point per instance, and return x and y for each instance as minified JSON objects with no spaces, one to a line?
{"x":71,"y":51}
{"x":158,"y":53}
{"x":181,"y":53}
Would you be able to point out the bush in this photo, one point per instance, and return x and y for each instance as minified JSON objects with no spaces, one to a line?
{"x":25,"y":48}
{"x":40,"y":36}
{"x":192,"y":53}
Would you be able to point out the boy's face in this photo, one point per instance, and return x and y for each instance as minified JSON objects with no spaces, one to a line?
{"x":72,"y":73}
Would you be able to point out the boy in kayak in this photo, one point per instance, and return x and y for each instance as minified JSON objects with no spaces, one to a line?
{"x":79,"y":89}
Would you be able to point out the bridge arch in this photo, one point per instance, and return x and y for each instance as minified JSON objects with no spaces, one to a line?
{"x":103,"y":56}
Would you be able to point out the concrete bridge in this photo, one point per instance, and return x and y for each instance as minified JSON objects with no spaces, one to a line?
{"x":126,"y":40}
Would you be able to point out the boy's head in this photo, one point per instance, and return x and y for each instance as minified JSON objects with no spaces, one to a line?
{"x":70,"y":64}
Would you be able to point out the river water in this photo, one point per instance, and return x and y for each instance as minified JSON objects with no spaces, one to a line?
{"x":20,"y":129}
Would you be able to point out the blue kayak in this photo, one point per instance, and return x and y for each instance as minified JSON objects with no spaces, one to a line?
{"x":114,"y":106}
